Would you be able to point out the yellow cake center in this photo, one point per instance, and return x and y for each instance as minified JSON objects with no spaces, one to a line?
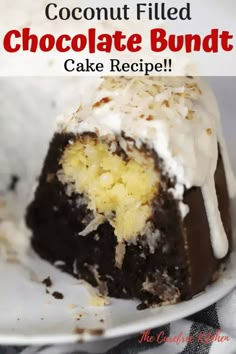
{"x":120,"y":190}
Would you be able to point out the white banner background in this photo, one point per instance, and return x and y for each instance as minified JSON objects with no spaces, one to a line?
{"x":206,"y":15}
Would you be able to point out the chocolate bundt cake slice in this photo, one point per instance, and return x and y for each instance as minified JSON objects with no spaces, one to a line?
{"x":134,"y":195}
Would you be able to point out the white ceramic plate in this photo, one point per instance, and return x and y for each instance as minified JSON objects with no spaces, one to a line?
{"x":28,"y":315}
{"x":31,"y":316}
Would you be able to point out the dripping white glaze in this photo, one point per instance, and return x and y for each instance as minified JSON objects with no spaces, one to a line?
{"x":218,"y":237}
{"x":179,"y":118}
{"x":230,"y":178}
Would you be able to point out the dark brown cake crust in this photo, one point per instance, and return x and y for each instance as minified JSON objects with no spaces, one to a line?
{"x":182,"y":265}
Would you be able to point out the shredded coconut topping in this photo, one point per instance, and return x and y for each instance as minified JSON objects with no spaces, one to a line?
{"x":170,"y":114}
{"x":178,"y":117}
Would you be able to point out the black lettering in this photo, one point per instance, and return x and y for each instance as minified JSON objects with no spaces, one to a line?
{"x":140,"y":10}
{"x":172,"y":13}
{"x":115,"y":65}
{"x":89,"y":13}
{"x":74,"y":11}
{"x":185,"y":13}
{"x":67,"y":64}
{"x":47,"y":12}
{"x":64,"y":13}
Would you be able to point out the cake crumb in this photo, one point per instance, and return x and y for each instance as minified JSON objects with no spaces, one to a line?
{"x":78,"y":316}
{"x":98,"y":300}
{"x":142,"y":306}
{"x":57,"y":295}
{"x":48,"y":282}
{"x":79,"y":330}
{"x":97,"y":332}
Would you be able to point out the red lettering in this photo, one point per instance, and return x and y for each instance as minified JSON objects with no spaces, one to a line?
{"x":106,"y":43}
{"x":60,"y":43}
{"x":118,"y":37}
{"x":47,"y":43}
{"x":78,"y":42}
{"x":176,"y":43}
{"x":133,"y":43}
{"x":146,"y":337}
{"x":7,"y":43}
{"x":29,"y":41}
{"x":158,"y":40}
{"x":193,"y":42}
{"x":161,"y":337}
{"x":92,"y":42}
{"x":225,"y":37}
{"x":210,"y":42}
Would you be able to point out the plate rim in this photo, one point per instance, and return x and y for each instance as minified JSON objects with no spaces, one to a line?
{"x":218,"y":290}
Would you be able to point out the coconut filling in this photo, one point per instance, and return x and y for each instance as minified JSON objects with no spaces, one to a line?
{"x":118,"y":189}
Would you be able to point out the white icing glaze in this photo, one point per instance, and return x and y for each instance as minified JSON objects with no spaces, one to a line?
{"x":219,"y":239}
{"x":218,"y":236}
{"x":230,"y":178}
{"x":176,"y":116}
{"x":184,"y":209}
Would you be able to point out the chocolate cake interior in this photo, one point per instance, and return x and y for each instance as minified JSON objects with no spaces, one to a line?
{"x":104,"y":208}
